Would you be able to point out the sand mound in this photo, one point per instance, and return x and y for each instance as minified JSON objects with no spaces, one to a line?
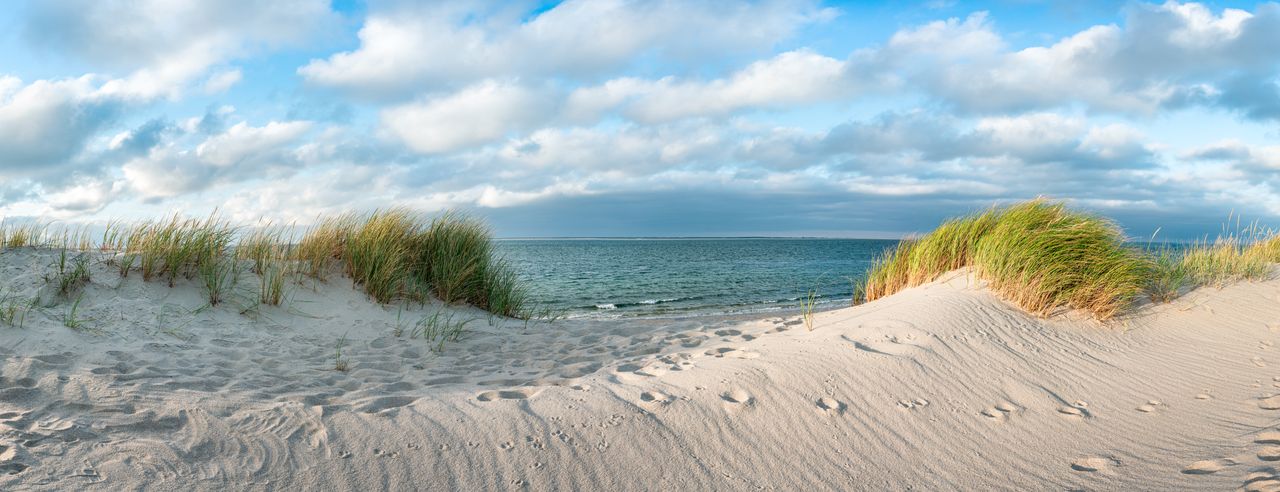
{"x":940,"y":387}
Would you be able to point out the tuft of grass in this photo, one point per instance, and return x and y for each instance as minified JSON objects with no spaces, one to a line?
{"x":69,"y":273}
{"x":22,"y":235}
{"x":1225,"y":261}
{"x":1168,"y":276}
{"x":379,"y":253}
{"x":272,"y":283}
{"x":218,"y":274}
{"x":438,"y":328}
{"x":1037,"y":255}
{"x":340,"y":364}
{"x":394,"y":254}
{"x":807,"y":305}
{"x":13,"y":309}
{"x":72,"y":319}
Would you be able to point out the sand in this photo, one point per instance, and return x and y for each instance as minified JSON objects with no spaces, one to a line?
{"x":943,"y":386}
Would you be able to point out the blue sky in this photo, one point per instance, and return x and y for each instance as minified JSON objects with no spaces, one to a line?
{"x":625,"y":118}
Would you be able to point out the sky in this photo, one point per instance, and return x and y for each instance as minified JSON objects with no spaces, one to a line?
{"x":635,"y":118}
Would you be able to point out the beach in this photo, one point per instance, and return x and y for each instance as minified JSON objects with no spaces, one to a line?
{"x":941,"y":386}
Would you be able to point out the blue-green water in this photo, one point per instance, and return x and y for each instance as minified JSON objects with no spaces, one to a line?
{"x":679,"y":277}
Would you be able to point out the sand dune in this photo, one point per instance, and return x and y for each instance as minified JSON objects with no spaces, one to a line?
{"x":942,"y":386}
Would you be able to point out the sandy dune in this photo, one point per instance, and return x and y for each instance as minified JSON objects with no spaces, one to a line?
{"x":940,"y":387}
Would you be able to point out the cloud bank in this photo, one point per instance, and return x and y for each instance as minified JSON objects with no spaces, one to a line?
{"x":585,"y":117}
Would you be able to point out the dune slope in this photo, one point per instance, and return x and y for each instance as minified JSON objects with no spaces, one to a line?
{"x":941,"y":386}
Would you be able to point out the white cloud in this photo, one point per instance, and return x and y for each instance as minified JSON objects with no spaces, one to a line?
{"x":221,"y":81}
{"x":243,"y":144}
{"x":407,"y":51}
{"x":475,"y":115}
{"x":45,"y":123}
{"x":241,"y":153}
{"x":788,"y":79}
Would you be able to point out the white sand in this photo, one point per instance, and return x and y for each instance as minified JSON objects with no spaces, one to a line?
{"x":939,"y":387}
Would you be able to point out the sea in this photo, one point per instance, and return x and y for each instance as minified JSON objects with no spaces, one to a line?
{"x":678,"y":277}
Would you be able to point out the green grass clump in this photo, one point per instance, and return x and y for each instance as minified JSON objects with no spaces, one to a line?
{"x":1038,"y":255}
{"x":1042,"y":256}
{"x":1225,"y":261}
{"x":394,"y":254}
{"x":1168,"y":276}
{"x":391,"y":254}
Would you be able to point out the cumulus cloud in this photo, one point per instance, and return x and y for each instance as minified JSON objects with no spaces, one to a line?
{"x":404,"y":50}
{"x":790,"y":78}
{"x":1164,"y":56}
{"x":45,"y":123}
{"x":478,"y":114}
{"x":241,"y":153}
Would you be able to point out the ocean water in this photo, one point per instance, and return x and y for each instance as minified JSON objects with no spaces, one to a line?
{"x":686,"y":277}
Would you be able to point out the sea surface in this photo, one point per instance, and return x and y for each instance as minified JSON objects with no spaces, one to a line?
{"x":688,"y":277}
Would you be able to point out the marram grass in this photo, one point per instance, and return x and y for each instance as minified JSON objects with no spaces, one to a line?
{"x":1038,"y":255}
{"x":391,"y":254}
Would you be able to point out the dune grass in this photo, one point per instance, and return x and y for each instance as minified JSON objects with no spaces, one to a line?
{"x":394,"y":254}
{"x":390,"y":254}
{"x":1038,"y":255}
{"x":1041,"y":256}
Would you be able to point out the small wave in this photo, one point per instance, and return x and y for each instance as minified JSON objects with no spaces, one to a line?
{"x":604,"y":307}
{"x":658,"y":301}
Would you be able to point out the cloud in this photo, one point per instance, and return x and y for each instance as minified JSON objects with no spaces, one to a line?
{"x":221,"y":81}
{"x":241,"y":153}
{"x":45,"y":123}
{"x":475,"y":115}
{"x":407,"y":51}
{"x":788,"y":79}
{"x":1165,"y":56}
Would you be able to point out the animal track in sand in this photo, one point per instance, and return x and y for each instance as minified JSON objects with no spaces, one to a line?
{"x":830,"y":406}
{"x":736,"y":396}
{"x":518,"y":394}
{"x":1093,"y":464}
{"x":1206,"y":467}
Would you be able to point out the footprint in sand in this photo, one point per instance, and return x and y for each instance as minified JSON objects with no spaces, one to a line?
{"x":656,"y":397}
{"x":519,"y":394}
{"x":1268,"y":437}
{"x":1076,"y":410}
{"x":1093,"y":464}
{"x":736,"y":397}
{"x":733,"y":352}
{"x":1206,"y":467}
{"x":830,"y":406}
{"x":1257,"y":361}
{"x":913,"y":404}
{"x":1261,"y":482}
{"x":1269,"y":453}
{"x":1203,"y":396}
{"x":1270,"y":403}
{"x":1000,"y":411}
{"x":1149,"y":406}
